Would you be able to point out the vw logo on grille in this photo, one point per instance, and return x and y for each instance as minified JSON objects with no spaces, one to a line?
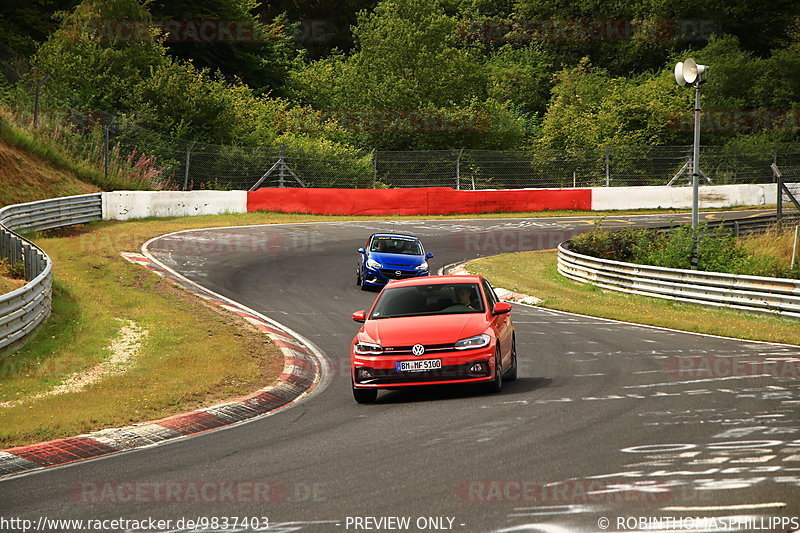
{"x":398,"y":273}
{"x":418,"y":349}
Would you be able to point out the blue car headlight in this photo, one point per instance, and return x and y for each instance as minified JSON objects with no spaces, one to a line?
{"x":423,"y":266}
{"x":371,"y":263}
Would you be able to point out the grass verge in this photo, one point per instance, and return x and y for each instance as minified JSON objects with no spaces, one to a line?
{"x":535,"y":273}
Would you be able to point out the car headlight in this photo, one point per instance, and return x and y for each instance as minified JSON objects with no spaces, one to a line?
{"x":478,"y":341}
{"x":423,"y":266}
{"x":367,"y":348}
{"x":371,"y":263}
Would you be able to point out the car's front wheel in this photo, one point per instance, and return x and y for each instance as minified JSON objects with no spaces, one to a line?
{"x":511,"y":373}
{"x":496,"y":385}
{"x":365,"y":395}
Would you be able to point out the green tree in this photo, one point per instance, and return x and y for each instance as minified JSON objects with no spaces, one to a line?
{"x":590,"y":108}
{"x":92,"y":62}
{"x":636,"y":37}
{"x":23,"y":26}
{"x":750,"y":99}
{"x":260,"y":54}
{"x":410,"y":68}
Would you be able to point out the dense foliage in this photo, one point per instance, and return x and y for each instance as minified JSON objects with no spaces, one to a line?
{"x":414,"y":74}
{"x":715,"y":250}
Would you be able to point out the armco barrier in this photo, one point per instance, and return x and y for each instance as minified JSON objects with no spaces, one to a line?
{"x":770,"y":295}
{"x":22,"y":310}
{"x":422,"y":201}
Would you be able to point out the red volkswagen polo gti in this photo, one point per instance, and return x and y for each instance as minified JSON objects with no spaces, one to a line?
{"x":431,"y":331}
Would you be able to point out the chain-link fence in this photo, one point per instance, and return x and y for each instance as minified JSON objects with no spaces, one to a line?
{"x":193,"y":165}
{"x":180,"y":164}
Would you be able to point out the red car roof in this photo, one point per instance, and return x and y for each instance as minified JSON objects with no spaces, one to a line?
{"x":435,"y":280}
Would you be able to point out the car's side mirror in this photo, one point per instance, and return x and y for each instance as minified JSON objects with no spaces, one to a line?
{"x":429,"y":255}
{"x":361,"y":316}
{"x":361,"y":251}
{"x":499,"y":308}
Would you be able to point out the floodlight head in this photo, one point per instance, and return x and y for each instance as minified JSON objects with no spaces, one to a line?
{"x":693,"y":72}
{"x":690,"y":70}
{"x":679,"y":74}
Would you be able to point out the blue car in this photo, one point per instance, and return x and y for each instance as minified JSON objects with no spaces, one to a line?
{"x":389,"y":256}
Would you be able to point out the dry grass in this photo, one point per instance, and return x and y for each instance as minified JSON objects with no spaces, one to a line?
{"x":26,"y":178}
{"x":535,"y":273}
{"x":9,"y":277}
{"x":9,"y":284}
{"x":772,"y":244}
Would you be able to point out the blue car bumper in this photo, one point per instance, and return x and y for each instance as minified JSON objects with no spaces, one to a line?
{"x":379,"y":278}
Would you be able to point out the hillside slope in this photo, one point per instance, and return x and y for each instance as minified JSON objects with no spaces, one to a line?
{"x":25,"y":177}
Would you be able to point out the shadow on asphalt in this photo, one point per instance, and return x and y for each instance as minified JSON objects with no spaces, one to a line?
{"x":511,"y":390}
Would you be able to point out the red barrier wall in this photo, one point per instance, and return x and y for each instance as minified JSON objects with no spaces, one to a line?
{"x":422,"y":201}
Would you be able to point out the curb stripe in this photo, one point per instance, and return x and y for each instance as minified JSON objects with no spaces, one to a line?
{"x":62,"y":451}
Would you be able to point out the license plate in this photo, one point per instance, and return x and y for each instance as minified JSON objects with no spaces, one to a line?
{"x":418,"y":366}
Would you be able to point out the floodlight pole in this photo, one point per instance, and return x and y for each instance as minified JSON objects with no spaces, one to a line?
{"x":696,"y":159}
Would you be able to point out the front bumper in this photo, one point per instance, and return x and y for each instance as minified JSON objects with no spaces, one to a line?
{"x":379,"y":278}
{"x":457,"y":367}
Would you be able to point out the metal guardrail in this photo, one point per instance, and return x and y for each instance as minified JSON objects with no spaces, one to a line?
{"x":752,"y":293}
{"x":22,"y":310}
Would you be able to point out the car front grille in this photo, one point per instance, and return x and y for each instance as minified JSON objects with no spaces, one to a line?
{"x":393,"y":274}
{"x":429,"y":349}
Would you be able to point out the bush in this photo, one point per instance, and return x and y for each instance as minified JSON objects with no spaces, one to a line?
{"x":614,"y":245}
{"x":12,"y":270}
{"x":717,"y":250}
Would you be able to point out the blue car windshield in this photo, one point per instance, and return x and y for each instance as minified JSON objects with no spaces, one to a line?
{"x":438,"y":299}
{"x":395,"y":245}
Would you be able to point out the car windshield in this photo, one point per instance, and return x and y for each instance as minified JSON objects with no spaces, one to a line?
{"x":395,"y":245}
{"x":438,"y":299}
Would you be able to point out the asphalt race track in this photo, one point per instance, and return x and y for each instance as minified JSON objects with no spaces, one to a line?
{"x":600,"y":425}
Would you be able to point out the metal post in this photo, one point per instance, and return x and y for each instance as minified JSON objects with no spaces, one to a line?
{"x":794,"y":244}
{"x":458,"y":169}
{"x":374,"y":167}
{"x":186,"y":171}
{"x":775,"y":158}
{"x":281,"y":173}
{"x":105,"y":152}
{"x":28,"y":263}
{"x":36,"y":101}
{"x":696,"y":159}
{"x":608,"y":173}
{"x":779,"y":204}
